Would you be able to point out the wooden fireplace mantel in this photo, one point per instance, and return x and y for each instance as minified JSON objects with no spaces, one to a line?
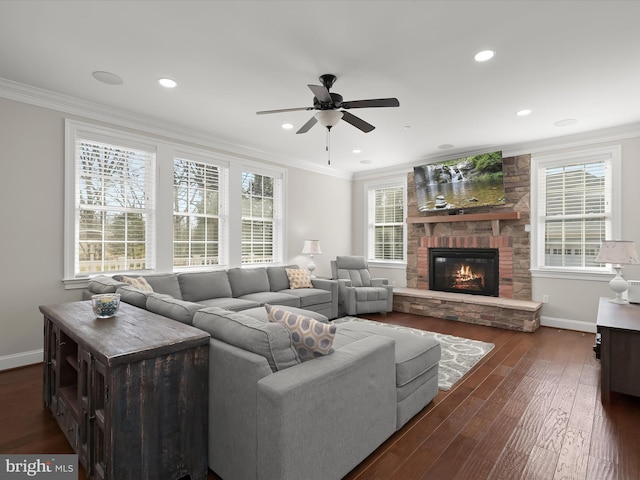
{"x":494,"y":218}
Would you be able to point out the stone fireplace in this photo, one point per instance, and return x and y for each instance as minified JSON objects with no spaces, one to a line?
{"x":498,"y":229}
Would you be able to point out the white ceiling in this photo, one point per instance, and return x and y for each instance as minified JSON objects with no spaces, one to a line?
{"x":561,"y":59}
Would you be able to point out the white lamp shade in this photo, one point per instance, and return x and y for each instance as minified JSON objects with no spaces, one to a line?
{"x":328,"y":118}
{"x":311,"y":247}
{"x":618,"y":252}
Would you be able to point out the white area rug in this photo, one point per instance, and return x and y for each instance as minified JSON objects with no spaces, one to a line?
{"x":459,"y":354}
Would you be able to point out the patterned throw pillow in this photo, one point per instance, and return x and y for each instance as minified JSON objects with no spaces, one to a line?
{"x":310,"y":338}
{"x":298,"y":278}
{"x":140,"y":283}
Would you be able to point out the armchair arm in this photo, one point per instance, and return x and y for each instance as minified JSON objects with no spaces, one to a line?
{"x":331,"y":286}
{"x":343,"y":404}
{"x":379,"y":282}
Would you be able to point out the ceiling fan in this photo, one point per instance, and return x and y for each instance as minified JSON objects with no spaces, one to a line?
{"x":332,"y":108}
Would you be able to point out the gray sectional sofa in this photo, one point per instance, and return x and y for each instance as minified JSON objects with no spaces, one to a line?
{"x":273,"y":416}
{"x":180,"y":295}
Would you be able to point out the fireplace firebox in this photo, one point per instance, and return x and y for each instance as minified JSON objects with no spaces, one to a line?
{"x":464,"y":270}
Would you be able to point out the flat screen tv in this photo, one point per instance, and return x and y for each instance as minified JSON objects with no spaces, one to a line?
{"x":462,"y":183}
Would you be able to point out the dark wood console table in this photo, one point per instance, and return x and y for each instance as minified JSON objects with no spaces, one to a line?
{"x":130,"y":392}
{"x":619,"y":327}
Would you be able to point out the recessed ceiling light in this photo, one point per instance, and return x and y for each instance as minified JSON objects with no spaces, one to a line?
{"x":523,"y":113}
{"x":287,"y":126}
{"x":445,"y":146}
{"x":365,"y":162}
{"x":107,"y":77}
{"x":357,"y":151}
{"x":407,"y":127}
{"x":167,"y":83}
{"x":566,"y":122}
{"x":484,"y":55}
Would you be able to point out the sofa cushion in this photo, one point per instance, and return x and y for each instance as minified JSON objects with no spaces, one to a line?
{"x":278,"y":279}
{"x":415,"y":354}
{"x":138,"y":282}
{"x":310,"y":338}
{"x":309,"y":296}
{"x":166,"y":283}
{"x":230,"y":303}
{"x":172,"y":308}
{"x":196,"y":286}
{"x":261,"y":314}
{"x":269,"y":340}
{"x":133,"y":296}
{"x":248,"y":280}
{"x":104,"y":284}
{"x":278,"y":298}
{"x":298,"y":278}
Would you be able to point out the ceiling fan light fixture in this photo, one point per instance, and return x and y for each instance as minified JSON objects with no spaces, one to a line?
{"x":328,"y":118}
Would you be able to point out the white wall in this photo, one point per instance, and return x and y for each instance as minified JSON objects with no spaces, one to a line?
{"x":31,"y":216}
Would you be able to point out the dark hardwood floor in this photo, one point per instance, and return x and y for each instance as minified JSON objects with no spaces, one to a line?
{"x":530,"y":409}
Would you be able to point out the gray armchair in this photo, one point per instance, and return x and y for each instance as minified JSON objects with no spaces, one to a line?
{"x":357,"y":291}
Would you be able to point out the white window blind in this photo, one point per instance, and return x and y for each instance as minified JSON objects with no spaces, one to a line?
{"x":115,"y":208}
{"x":386,"y":223}
{"x":575,"y":206}
{"x":197,"y":225}
{"x":261,"y":218}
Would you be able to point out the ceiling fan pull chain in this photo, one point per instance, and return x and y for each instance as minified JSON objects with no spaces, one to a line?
{"x":328,"y":146}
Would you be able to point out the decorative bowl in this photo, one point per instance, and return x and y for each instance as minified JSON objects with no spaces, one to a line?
{"x":105,"y":305}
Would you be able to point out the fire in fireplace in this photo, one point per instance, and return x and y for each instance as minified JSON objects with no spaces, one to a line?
{"x":464,"y":270}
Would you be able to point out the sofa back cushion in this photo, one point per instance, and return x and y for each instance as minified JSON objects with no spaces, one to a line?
{"x":197,"y":286}
{"x":278,"y":279}
{"x":269,"y":340}
{"x":104,"y":284}
{"x":248,"y":280}
{"x":165,"y":283}
{"x":171,"y":307}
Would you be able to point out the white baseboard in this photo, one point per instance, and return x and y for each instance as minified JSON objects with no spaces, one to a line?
{"x":21,"y":359}
{"x":568,"y":324}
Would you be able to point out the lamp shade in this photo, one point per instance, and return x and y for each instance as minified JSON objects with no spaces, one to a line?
{"x":328,"y":118}
{"x":618,"y":252}
{"x":311,"y":247}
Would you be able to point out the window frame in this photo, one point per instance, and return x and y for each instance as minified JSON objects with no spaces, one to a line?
{"x":223,"y":208}
{"x":279,"y":187}
{"x":369,"y":221}
{"x":611,"y":155}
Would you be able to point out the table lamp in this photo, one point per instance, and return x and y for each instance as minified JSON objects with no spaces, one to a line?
{"x":311,"y":248}
{"x":618,"y":253}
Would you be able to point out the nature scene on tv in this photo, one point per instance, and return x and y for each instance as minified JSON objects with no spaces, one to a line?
{"x":466,"y":182}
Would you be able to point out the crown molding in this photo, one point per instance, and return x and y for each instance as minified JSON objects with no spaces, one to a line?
{"x":613,"y":134}
{"x":69,"y":105}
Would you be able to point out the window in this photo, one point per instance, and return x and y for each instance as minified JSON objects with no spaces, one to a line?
{"x":114,"y":207}
{"x":261,"y":218}
{"x":136,"y":204}
{"x":196,"y":213}
{"x":575,"y":208}
{"x":386,"y":222}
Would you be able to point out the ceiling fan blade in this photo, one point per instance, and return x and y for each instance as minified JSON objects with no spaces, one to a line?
{"x":310,"y":123}
{"x":378,"y":102}
{"x":357,"y":122}
{"x":263,"y":112}
{"x":321,"y":93}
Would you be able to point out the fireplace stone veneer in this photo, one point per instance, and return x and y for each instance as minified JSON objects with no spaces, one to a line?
{"x":513,"y":308}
